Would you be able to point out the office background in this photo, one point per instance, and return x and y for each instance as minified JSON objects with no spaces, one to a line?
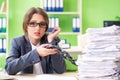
{"x":94,"y":12}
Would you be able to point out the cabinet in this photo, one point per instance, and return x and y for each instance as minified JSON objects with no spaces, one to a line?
{"x":3,"y":31}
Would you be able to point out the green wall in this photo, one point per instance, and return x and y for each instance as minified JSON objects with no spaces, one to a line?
{"x":94,"y":12}
{"x":17,"y":9}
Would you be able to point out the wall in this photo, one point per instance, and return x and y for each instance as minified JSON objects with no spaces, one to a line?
{"x":94,"y":12}
{"x":17,"y":9}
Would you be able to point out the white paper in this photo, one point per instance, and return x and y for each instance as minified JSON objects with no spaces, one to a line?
{"x":54,"y":77}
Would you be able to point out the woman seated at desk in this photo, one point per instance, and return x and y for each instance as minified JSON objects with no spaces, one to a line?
{"x":28,"y":52}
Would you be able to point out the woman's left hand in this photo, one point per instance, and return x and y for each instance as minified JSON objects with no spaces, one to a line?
{"x":53,"y":34}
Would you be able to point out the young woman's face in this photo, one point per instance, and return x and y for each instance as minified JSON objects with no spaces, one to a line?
{"x":36,"y":27}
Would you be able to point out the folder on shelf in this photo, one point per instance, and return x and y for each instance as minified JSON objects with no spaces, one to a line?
{"x":50,"y":25}
{"x":0,"y":25}
{"x":53,"y":5}
{"x":1,"y":45}
{"x":53,"y":22}
{"x":56,"y":22}
{"x":4,"y":45}
{"x":45,"y":5}
{"x":4,"y":24}
{"x":61,"y":5}
{"x":76,"y":24}
{"x":4,"y":7}
{"x":49,"y":5}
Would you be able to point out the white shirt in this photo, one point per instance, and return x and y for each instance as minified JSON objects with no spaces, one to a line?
{"x":37,"y":68}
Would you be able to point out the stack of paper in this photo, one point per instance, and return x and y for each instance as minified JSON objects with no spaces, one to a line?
{"x":96,"y":67}
{"x":102,"y":54}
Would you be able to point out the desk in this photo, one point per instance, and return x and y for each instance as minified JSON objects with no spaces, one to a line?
{"x":66,"y":75}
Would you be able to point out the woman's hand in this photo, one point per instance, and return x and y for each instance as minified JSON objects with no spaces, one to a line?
{"x":43,"y":51}
{"x":53,"y":34}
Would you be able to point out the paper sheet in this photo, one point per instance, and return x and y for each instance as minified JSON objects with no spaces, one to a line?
{"x":54,"y":77}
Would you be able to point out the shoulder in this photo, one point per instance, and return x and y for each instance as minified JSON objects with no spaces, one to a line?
{"x":19,"y":39}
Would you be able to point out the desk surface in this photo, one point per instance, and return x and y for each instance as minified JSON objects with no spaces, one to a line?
{"x":66,"y":75}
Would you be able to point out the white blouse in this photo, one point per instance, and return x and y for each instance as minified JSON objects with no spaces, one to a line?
{"x":37,"y":68}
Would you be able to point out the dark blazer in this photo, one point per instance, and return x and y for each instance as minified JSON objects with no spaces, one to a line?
{"x":22,"y":58}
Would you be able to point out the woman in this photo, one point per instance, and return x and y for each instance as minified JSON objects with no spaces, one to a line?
{"x":28,"y":52}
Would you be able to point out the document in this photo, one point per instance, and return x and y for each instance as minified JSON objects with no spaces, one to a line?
{"x":54,"y":77}
{"x":40,"y":77}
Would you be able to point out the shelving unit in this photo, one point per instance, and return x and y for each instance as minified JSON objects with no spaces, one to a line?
{"x":63,"y":12}
{"x":65,"y":20}
{"x":3,"y":31}
{"x":3,"y":26}
{"x":66,"y":24}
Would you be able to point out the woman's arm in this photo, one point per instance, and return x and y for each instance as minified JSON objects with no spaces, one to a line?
{"x":58,"y":62}
{"x":17,"y":62}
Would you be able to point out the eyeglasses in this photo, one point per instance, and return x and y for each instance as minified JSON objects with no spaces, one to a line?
{"x":34,"y":24}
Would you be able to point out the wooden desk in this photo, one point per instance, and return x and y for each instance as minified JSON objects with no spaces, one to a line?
{"x":66,"y":75}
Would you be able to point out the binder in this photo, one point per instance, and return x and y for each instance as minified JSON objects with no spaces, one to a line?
{"x":53,"y":6}
{"x":78,"y":24}
{"x":74,"y":24}
{"x":4,"y":24}
{"x":4,"y":45}
{"x":61,"y":5}
{"x":53,"y":23}
{"x":45,"y":5}
{"x":57,"y":5}
{"x":1,"y":45}
{"x":50,"y":25}
{"x":0,"y":24}
{"x":56,"y":22}
{"x":49,"y":5}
